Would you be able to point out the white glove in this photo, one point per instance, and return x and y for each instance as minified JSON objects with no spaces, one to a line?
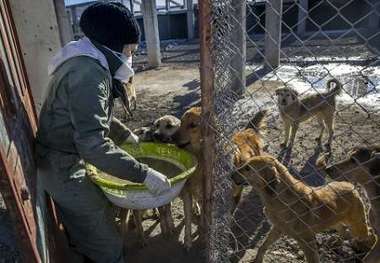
{"x":156,"y":182}
{"x":132,"y":138}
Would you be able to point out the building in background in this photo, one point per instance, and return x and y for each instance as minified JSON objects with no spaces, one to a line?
{"x":173,"y":16}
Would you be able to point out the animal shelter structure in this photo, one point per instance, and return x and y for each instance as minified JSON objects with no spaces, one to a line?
{"x":243,"y":75}
{"x":176,"y":19}
{"x":257,"y":58}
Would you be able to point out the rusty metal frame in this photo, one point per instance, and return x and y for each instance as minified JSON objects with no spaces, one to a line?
{"x":207,"y":102}
{"x":17,"y":170}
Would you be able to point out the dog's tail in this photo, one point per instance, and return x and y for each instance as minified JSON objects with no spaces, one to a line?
{"x":257,"y":123}
{"x":337,"y":89}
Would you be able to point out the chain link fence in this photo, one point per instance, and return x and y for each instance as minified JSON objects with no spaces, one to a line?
{"x":275,"y":58}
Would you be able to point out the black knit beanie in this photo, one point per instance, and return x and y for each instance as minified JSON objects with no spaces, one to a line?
{"x":110,"y":24}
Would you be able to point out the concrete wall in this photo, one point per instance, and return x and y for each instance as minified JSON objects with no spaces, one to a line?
{"x":172,"y":25}
{"x":169,"y":26}
{"x":37,"y":29}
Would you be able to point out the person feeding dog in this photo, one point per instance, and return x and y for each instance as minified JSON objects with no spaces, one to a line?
{"x":76,"y":127}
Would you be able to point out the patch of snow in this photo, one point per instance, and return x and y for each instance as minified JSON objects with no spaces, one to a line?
{"x":361,"y":83}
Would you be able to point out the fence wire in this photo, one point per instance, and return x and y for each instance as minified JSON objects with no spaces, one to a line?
{"x":292,"y":50}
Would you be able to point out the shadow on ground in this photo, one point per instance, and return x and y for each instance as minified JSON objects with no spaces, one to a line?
{"x":160,"y":249}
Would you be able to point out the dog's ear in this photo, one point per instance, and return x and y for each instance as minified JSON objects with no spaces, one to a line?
{"x":176,"y":121}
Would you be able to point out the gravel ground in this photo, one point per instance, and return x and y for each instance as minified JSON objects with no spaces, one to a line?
{"x":352,"y":127}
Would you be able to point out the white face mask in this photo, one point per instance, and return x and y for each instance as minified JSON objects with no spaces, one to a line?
{"x":125,"y":71}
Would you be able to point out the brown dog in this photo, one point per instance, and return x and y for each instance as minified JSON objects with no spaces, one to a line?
{"x":362,"y":166}
{"x":300,"y":211}
{"x":247,"y":143}
{"x":293,"y":111}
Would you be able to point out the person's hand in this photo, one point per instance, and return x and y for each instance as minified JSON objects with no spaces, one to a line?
{"x":156,"y":182}
{"x":132,"y":138}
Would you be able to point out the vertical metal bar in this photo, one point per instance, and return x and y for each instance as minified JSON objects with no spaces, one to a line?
{"x":303,"y":13}
{"x":75,"y":19}
{"x":152,"y":38}
{"x":190,"y":18}
{"x":374,"y":19}
{"x":273,"y":16}
{"x":17,"y":177}
{"x":208,"y":134}
{"x":132,"y":6}
{"x":65,"y":30}
{"x":239,"y":44}
{"x":168,"y":17}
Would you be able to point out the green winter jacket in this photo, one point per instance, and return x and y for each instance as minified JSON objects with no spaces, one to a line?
{"x":76,"y":117}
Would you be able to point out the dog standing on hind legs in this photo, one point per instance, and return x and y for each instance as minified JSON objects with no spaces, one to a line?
{"x":247,"y":143}
{"x":294,"y":111}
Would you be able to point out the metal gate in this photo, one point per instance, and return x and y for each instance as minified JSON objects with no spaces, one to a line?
{"x":17,"y":130}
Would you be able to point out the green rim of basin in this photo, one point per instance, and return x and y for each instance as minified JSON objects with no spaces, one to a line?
{"x":166,"y":152}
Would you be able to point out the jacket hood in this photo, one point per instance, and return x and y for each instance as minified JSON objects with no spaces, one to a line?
{"x":82,"y":47}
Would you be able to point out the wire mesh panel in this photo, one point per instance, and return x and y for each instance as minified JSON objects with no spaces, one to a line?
{"x":294,"y":117}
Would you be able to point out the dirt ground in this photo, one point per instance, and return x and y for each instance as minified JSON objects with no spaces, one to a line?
{"x":169,"y":90}
{"x":352,"y":127}
{"x":174,"y":88}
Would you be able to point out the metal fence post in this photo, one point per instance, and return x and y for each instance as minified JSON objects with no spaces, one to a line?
{"x":273,"y":18}
{"x":302,"y":17}
{"x":374,"y":18}
{"x":239,"y":42}
{"x":208,"y":134}
{"x":190,"y":19}
{"x":152,"y":38}
{"x":64,"y":26}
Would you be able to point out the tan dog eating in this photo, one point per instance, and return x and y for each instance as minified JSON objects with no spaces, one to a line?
{"x":162,"y":130}
{"x":247,"y":143}
{"x":300,"y":211}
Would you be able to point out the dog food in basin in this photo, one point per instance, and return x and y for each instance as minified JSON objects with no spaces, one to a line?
{"x":177,"y":164}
